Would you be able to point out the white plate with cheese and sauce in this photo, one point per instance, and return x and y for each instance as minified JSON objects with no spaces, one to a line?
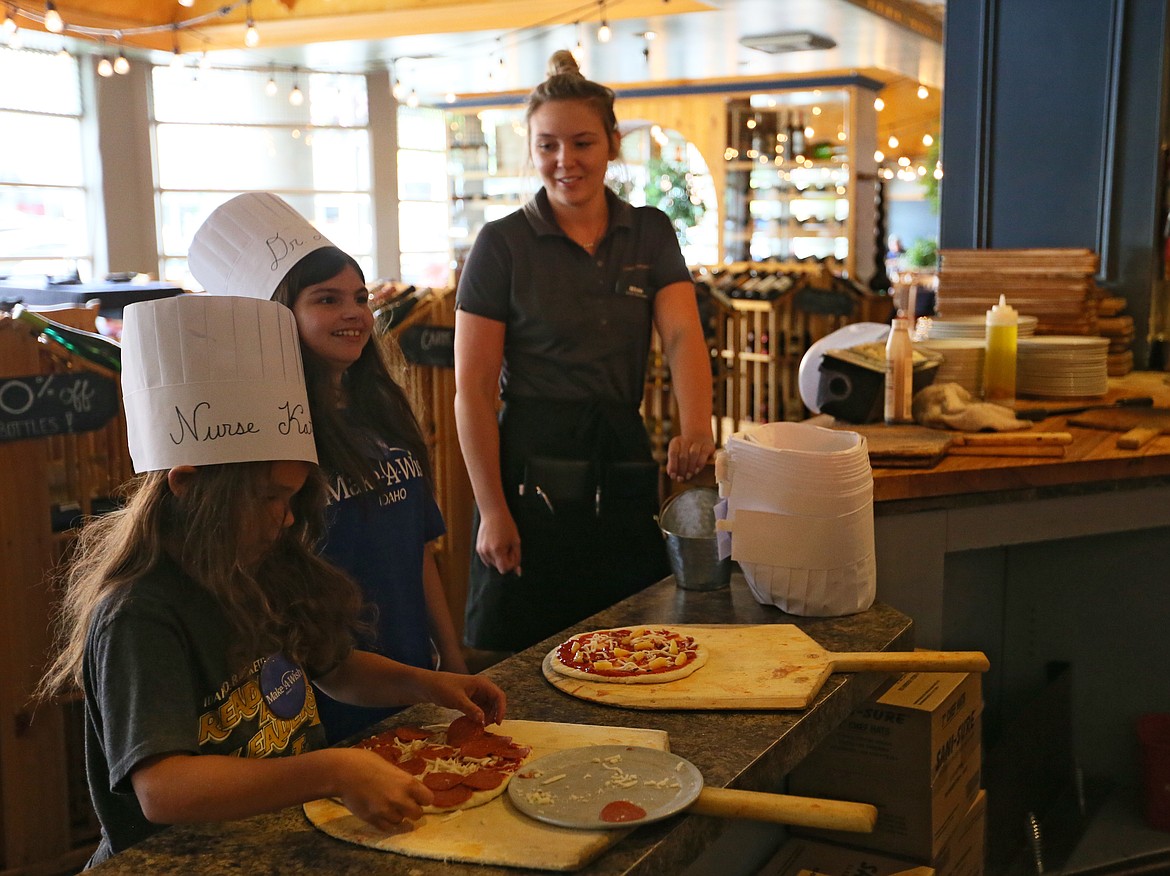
{"x":623,"y":786}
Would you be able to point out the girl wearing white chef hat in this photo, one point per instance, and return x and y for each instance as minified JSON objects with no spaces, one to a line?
{"x":382,"y":514}
{"x":196,"y":615}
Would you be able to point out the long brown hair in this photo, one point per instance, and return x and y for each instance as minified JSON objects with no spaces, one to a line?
{"x":376,"y":399}
{"x":292,"y":601}
{"x":566,"y":82}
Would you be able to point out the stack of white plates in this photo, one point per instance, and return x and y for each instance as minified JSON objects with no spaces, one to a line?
{"x":1062,"y":365}
{"x":966,"y":327}
{"x":799,"y":507}
{"x":962,"y":362}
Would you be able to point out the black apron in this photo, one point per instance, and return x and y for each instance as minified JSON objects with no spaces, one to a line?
{"x":583,"y":489}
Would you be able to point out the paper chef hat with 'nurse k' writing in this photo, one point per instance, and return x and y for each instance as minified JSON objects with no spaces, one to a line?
{"x":249,"y":243}
{"x":213,"y":379}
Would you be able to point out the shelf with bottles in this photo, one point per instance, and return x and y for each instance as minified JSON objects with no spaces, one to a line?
{"x":791,"y":177}
{"x":486,"y":168}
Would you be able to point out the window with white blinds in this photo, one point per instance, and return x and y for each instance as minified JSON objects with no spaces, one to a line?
{"x":44,"y":228}
{"x":220,"y":132}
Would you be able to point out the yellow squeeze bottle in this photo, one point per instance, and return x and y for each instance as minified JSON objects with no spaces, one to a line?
{"x":999,"y":359}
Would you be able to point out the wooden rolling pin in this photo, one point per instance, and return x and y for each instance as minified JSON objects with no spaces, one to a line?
{"x":1010,"y":444}
{"x":785,"y":809}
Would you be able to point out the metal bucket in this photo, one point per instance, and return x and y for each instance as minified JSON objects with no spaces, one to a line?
{"x":687,"y":521}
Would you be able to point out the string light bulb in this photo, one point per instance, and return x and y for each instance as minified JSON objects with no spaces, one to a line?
{"x":186,"y":4}
{"x":399,"y":90}
{"x":412,"y":98}
{"x":923,"y":92}
{"x":927,"y":140}
{"x":104,"y":68}
{"x":121,"y":64}
{"x":893,"y":142}
{"x":603,"y":32}
{"x":53,"y":21}
{"x":879,"y":104}
{"x":296,"y":97}
{"x":251,"y":35}
{"x":270,"y":86}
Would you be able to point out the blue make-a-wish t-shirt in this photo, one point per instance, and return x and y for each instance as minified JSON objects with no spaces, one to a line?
{"x":378,"y":533}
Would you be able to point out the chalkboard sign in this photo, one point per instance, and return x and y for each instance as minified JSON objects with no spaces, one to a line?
{"x":429,"y":345}
{"x":55,"y":404}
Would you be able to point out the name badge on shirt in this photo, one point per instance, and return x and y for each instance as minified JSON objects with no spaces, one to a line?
{"x":634,"y":281}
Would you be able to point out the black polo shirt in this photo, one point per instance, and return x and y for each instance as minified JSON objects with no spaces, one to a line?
{"x":578,"y":326}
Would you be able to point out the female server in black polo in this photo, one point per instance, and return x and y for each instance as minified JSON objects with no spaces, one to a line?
{"x":555,"y":308}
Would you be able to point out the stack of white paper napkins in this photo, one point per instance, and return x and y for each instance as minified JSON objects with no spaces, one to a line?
{"x":797,"y":515}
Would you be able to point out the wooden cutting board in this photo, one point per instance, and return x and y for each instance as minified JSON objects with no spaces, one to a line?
{"x":902,"y":446}
{"x":496,"y":833}
{"x":756,"y":666}
{"x":1150,"y":421}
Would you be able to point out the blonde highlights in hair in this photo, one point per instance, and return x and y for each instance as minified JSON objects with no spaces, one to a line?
{"x":566,"y":82}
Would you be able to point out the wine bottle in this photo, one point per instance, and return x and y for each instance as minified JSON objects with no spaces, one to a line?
{"x":796,"y":137}
{"x":392,"y":313}
{"x":90,"y":346}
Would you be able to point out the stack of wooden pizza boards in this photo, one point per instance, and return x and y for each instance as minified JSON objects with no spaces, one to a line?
{"x":1057,"y":286}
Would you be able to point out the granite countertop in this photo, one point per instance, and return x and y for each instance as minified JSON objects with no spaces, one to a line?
{"x":752,"y":750}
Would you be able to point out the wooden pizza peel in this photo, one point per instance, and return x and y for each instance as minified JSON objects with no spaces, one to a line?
{"x":1139,"y":425}
{"x":496,"y":833}
{"x":758,"y":666}
{"x":500,"y":833}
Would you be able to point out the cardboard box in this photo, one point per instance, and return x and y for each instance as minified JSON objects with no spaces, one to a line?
{"x":962,"y":855}
{"x":913,"y":730}
{"x":914,"y":752}
{"x":965,"y":853}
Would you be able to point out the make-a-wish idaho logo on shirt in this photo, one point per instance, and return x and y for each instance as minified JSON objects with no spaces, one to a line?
{"x":388,"y":478}
{"x":283,"y":686}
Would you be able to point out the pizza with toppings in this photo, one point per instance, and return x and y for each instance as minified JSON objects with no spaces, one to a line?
{"x":464,"y":764}
{"x":637,"y":655}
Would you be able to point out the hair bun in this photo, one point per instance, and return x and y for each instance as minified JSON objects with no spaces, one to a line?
{"x":562,"y":63}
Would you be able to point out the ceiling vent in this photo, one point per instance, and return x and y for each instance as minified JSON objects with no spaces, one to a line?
{"x":788,"y":41}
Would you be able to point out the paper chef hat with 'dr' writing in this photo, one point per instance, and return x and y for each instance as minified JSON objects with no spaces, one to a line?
{"x":249,"y":243}
{"x":213,"y":379}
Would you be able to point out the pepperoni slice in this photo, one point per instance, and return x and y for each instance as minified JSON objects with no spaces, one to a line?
{"x":485,"y":746}
{"x":452,"y":797}
{"x":463,"y":729}
{"x":410,"y":734}
{"x":512,"y":751}
{"x":442,"y":781}
{"x":416,"y":766}
{"x":484,"y":780}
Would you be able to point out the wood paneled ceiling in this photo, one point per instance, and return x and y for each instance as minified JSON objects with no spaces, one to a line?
{"x":465,"y":46}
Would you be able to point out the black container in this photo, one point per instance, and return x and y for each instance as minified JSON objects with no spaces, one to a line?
{"x":852,"y":387}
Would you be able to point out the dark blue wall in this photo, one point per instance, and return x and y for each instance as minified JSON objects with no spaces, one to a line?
{"x":1053,"y":117}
